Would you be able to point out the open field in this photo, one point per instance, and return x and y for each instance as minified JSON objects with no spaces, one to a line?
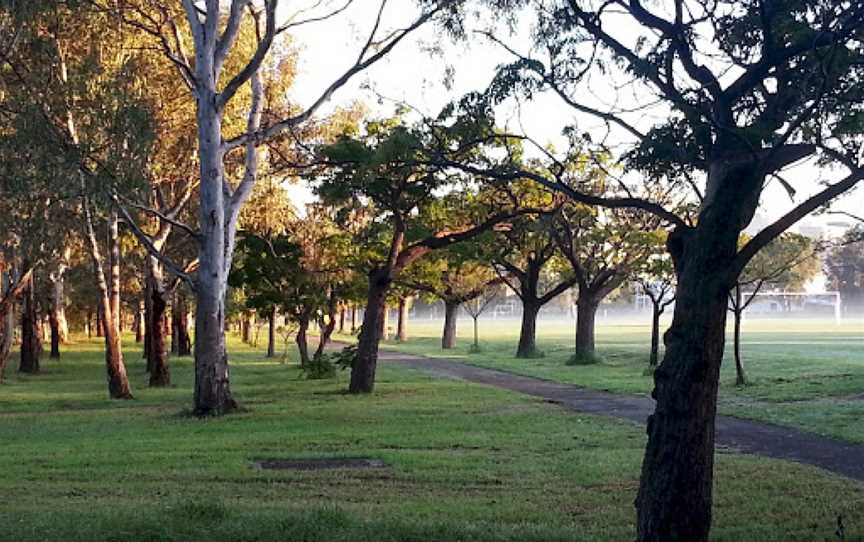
{"x":466,"y":462}
{"x":803,"y":373}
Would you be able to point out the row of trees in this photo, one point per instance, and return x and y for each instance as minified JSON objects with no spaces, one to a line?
{"x":162,"y":121}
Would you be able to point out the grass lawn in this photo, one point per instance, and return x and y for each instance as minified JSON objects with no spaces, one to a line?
{"x":803,"y":373}
{"x":466,"y":462}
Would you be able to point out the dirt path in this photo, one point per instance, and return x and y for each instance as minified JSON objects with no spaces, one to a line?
{"x":740,"y":435}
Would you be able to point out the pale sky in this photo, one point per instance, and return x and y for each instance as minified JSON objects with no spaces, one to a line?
{"x":413,"y":74}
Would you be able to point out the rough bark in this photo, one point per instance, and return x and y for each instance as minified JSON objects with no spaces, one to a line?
{"x":675,"y":492}
{"x":29,"y":361}
{"x":271,"y":334}
{"x":363,"y":371}
{"x":528,"y":331}
{"x":402,"y":325}
{"x":451,"y":314}
{"x":586,"y":313}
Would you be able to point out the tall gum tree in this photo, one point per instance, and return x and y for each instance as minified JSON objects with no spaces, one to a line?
{"x":214,"y":28}
{"x":747,"y":88}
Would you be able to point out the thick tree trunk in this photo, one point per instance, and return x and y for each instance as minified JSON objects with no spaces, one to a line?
{"x":363,"y":371}
{"x":402,"y":325}
{"x":451,"y":314}
{"x":329,"y":327}
{"x":675,"y":491}
{"x":740,"y":375}
{"x":586,"y":313}
{"x":527,"y":347}
{"x":29,"y":362}
{"x":114,"y":266}
{"x":271,"y":334}
{"x":655,"y":335}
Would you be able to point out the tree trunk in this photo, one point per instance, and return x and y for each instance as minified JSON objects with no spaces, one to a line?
{"x":29,"y":362}
{"x":99,"y":319}
{"x":451,"y":313}
{"x":476,"y":333}
{"x":302,"y":341}
{"x":363,"y":371}
{"x":118,"y":383}
{"x":527,"y":347}
{"x":740,"y":375}
{"x":655,"y":335}
{"x":384,"y":332}
{"x":157,"y":359}
{"x":246,"y":329}
{"x":7,"y":322}
{"x":184,"y":341}
{"x":342,"y":320}
{"x":55,"y":336}
{"x":402,"y":325}
{"x":140,"y":322}
{"x":675,"y":491}
{"x":58,"y":306}
{"x":114,"y":266}
{"x":271,"y":334}
{"x":353,"y":319}
{"x":586,"y":313}
{"x":88,"y":324}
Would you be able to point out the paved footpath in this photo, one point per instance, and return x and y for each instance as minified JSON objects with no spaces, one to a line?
{"x":740,"y":435}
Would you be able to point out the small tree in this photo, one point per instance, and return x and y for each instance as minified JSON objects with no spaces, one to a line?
{"x":788,"y":261}
{"x":656,"y":277}
{"x":477,"y":306}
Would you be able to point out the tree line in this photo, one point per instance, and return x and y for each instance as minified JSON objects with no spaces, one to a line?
{"x":160,"y":132}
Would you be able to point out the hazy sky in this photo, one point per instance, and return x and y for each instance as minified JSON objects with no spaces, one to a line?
{"x":414,"y":74}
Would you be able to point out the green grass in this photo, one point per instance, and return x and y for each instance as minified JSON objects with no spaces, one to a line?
{"x":466,"y":462}
{"x":807,"y":374}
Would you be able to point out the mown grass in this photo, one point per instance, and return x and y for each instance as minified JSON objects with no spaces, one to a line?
{"x":466,"y":462}
{"x":807,"y":374}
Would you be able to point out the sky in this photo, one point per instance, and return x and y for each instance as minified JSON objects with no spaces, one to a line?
{"x":415,"y":71}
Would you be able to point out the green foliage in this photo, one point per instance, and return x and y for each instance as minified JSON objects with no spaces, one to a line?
{"x":787,"y":263}
{"x":320,"y":368}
